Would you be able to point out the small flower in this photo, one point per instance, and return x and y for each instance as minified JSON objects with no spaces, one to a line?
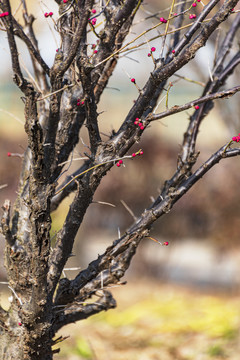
{"x":46,"y":15}
{"x":142,"y":127}
{"x":149,"y":54}
{"x":93,"y":21}
{"x":19,"y":324}
{"x":166,"y":243}
{"x":173,"y":51}
{"x":95,"y":51}
{"x":82,"y":102}
{"x":192,"y":16}
{"x":94,"y":11}
{"x":119,"y":163}
{"x":140,"y":152}
{"x":93,"y":46}
{"x":196,"y":107}
{"x":51,"y":13}
{"x":236,"y":138}
{"x":65,"y":1}
{"x":133,"y":80}
{"x":133,"y":155}
{"x":194,"y":4}
{"x":9,"y":154}
{"x":163,"y":20}
{"x":6,"y":13}
{"x":153,"y":49}
{"x":198,"y":0}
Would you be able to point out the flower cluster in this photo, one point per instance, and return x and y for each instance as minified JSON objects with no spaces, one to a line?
{"x":48,"y":14}
{"x":4,"y":14}
{"x":152,"y":50}
{"x":192,"y":16}
{"x":139,"y":123}
{"x":80,"y":102}
{"x":138,"y":153}
{"x":119,"y":163}
{"x":93,"y":21}
{"x":236,"y":138}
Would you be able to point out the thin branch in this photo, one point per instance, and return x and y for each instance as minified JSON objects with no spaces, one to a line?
{"x":83,"y":311}
{"x":176,"y":109}
{"x":32,"y":51}
{"x":18,"y":76}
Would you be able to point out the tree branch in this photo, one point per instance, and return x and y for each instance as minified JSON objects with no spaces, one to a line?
{"x":83,"y":310}
{"x":176,"y":109}
{"x":111,"y":266}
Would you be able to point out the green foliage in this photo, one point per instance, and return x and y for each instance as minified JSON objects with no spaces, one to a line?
{"x":83,"y":348}
{"x":216,"y":350}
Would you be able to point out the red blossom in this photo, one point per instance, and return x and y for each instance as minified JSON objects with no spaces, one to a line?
{"x":163,"y":20}
{"x":236,"y":138}
{"x":6,"y":13}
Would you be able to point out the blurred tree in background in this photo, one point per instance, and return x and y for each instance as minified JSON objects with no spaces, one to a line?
{"x":64,"y":119}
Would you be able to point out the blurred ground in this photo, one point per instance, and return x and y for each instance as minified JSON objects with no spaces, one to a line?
{"x":158,"y":322}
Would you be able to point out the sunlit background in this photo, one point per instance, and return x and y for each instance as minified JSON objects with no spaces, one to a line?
{"x":181,"y":301}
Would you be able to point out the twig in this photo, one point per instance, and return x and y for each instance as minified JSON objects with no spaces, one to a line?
{"x":176,"y":109}
{"x":128,"y":209}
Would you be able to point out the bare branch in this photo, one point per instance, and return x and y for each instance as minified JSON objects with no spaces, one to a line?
{"x":176,"y":109}
{"x":83,"y":310}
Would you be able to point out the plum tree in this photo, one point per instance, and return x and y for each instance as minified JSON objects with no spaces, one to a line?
{"x":62,"y":100}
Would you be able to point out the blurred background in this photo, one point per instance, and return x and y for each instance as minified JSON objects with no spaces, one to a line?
{"x":181,"y":301}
